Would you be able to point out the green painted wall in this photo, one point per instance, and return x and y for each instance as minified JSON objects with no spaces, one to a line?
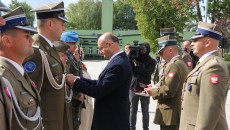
{"x":107,"y":16}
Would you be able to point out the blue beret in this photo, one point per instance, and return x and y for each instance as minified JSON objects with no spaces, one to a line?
{"x":69,"y":36}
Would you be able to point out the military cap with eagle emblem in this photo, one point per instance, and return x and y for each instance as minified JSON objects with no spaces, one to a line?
{"x":207,"y":30}
{"x":53,"y":10}
{"x":166,"y":41}
{"x":17,"y":19}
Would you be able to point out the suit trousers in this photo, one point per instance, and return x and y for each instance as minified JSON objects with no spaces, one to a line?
{"x":172,"y":127}
{"x":134,"y":99}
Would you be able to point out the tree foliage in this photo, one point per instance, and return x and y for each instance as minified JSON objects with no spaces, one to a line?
{"x":123,"y":16}
{"x":219,"y":11}
{"x":29,"y":15}
{"x":86,"y":14}
{"x":151,"y":15}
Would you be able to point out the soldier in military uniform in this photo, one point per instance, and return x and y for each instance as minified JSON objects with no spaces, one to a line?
{"x":184,"y":55}
{"x":168,"y":91}
{"x":62,"y":49}
{"x":72,"y":67}
{"x":19,"y":99}
{"x":45,"y":67}
{"x":206,"y":86}
{"x":187,"y":46}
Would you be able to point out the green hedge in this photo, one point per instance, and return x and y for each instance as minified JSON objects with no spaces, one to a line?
{"x":228,"y":64}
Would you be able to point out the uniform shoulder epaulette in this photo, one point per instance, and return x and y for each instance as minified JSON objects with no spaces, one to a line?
{"x":36,"y":44}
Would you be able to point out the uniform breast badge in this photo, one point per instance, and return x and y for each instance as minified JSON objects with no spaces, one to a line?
{"x":30,"y":66}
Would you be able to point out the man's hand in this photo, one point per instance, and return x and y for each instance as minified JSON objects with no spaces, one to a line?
{"x":81,"y":98}
{"x":70,"y":78}
{"x":149,"y":88}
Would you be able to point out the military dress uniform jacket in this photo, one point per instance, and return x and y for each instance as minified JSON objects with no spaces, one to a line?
{"x":187,"y":59}
{"x":52,"y":100}
{"x":204,"y":96}
{"x":26,"y":95}
{"x":72,"y":67}
{"x":169,"y":93}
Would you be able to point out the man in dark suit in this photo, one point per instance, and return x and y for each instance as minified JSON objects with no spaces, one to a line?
{"x":111,"y":90}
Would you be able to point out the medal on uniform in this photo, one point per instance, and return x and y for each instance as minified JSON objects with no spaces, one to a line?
{"x":196,"y":73}
{"x":189,"y":87}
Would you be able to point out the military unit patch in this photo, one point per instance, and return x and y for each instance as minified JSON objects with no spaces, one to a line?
{"x":171,"y":74}
{"x":30,"y":66}
{"x":214,"y":79}
{"x":189,"y":63}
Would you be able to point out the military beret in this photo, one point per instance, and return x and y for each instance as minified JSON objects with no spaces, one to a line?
{"x":3,"y":7}
{"x":69,"y":36}
{"x":53,"y":10}
{"x":207,"y":30}
{"x":168,"y":31}
{"x":166,"y":41}
{"x":61,"y":46}
{"x":17,"y":19}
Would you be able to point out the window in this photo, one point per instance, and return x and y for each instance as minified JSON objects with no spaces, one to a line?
{"x":97,"y":50}
{"x":90,"y":50}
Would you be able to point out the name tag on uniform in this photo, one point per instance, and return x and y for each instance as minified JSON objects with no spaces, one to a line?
{"x":54,"y":65}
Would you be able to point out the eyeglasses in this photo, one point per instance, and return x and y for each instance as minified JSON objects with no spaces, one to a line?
{"x":145,"y":48}
{"x":101,"y":47}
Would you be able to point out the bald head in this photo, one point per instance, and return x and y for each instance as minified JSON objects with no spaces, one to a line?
{"x":108,"y":45}
{"x":109,"y":37}
{"x":187,"y":45}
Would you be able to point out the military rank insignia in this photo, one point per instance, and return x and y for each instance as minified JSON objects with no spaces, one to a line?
{"x":214,"y":79}
{"x":30,"y":66}
{"x":170,"y":74}
{"x":189,"y":63}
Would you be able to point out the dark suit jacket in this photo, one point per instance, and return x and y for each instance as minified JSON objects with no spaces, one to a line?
{"x":111,"y":92}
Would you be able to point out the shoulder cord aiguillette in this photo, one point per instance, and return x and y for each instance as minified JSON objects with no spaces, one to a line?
{"x":37,"y":115}
{"x":54,"y":84}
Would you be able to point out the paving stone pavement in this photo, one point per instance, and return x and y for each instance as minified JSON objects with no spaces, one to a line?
{"x":95,"y":67}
